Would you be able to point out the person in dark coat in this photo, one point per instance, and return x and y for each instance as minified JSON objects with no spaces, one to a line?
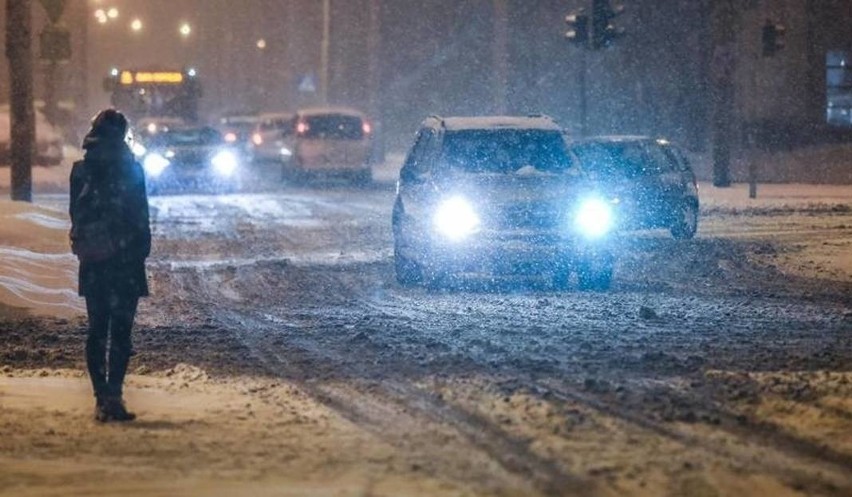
{"x":112,"y":287}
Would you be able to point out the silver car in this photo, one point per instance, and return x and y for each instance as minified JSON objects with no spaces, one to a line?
{"x":495,"y":197}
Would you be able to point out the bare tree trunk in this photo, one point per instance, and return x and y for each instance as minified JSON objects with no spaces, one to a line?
{"x":22,"y":115}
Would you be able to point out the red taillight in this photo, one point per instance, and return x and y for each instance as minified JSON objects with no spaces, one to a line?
{"x":367,"y":128}
{"x":302,"y":128}
{"x":257,"y":139}
{"x":230,"y":137}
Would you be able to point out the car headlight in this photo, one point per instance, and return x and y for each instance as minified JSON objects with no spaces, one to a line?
{"x":456,"y":218}
{"x":286,"y":152}
{"x":225,"y":162}
{"x":138,"y":149}
{"x":155,"y":164}
{"x":594,"y":218}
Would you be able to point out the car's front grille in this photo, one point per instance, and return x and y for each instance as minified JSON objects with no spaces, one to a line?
{"x":190,"y":159}
{"x":535,"y":216}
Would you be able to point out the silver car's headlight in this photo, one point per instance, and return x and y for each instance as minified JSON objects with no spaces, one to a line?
{"x":155,"y":164}
{"x":456,"y":218}
{"x":594,"y":218}
{"x":225,"y":163}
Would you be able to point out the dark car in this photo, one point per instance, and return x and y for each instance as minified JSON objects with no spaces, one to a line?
{"x":237,"y":129}
{"x":191,"y":157}
{"x":651,"y":178}
{"x":498,"y":197}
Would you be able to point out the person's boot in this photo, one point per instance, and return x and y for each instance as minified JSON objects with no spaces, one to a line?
{"x":116,"y":411}
{"x":101,"y":413}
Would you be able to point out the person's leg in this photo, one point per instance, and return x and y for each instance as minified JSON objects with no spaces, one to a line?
{"x":97,"y":307}
{"x":122,"y":314}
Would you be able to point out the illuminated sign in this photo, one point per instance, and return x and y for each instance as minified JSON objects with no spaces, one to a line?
{"x":140,"y":77}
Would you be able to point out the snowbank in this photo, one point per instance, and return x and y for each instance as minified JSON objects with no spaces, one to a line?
{"x":37,"y":270}
{"x":794,"y":196}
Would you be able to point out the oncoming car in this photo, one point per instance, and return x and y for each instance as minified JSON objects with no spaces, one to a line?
{"x":651,"y":178}
{"x":498,"y":196}
{"x":190,"y":157}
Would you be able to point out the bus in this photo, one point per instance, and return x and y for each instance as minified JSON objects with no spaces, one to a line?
{"x":155,"y":93}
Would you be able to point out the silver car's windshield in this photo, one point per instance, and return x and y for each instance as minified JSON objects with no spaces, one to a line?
{"x":505,"y":151}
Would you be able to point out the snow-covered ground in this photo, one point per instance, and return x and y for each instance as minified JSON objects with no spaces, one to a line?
{"x":37,"y":270}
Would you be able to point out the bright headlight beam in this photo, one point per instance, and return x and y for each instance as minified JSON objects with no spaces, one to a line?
{"x":138,"y":149}
{"x":225,"y":163}
{"x":154,"y":164}
{"x":456,"y":218}
{"x":594,"y":218}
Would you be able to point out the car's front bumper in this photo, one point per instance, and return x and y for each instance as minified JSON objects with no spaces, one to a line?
{"x":530,"y":253}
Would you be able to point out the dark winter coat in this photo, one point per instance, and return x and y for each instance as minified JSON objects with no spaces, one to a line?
{"x":110,"y":161}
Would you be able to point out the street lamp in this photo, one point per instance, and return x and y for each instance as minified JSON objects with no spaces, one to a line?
{"x":185,"y":30}
{"x":112,"y":13}
{"x":261,"y":44}
{"x":136,"y":25}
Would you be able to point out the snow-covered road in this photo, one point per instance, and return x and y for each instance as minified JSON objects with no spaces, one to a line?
{"x":677,"y":361}
{"x":717,"y":366}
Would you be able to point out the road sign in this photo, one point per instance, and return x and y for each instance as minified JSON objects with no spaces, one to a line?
{"x":54,"y":9}
{"x":307,"y":84}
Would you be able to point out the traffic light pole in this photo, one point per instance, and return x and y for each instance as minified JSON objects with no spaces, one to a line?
{"x":724,"y":19}
{"x":582,"y":82}
{"x":22,"y":114}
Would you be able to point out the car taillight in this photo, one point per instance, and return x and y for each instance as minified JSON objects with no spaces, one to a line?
{"x":257,"y":139}
{"x":230,"y":137}
{"x":367,"y":128}
{"x":302,"y":128}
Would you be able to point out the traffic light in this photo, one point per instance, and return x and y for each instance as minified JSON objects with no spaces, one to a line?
{"x":604,"y":32}
{"x":578,"y":28}
{"x":773,"y":38}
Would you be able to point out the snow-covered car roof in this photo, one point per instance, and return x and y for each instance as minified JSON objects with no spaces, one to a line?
{"x":320,"y":111}
{"x":240,"y":119}
{"x":613,"y":139}
{"x":499,"y":122}
{"x":274,"y":115}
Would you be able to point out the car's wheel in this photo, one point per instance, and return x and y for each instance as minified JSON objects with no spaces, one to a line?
{"x":595,"y":273}
{"x":686,"y":221}
{"x":408,"y":272}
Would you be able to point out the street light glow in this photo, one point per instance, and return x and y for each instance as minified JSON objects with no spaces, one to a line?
{"x":261,"y":43}
{"x":185,"y":29}
{"x":136,"y":25}
{"x":112,"y":13}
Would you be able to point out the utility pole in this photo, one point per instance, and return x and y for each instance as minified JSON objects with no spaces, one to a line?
{"x":501,"y":55}
{"x":324,"y":50}
{"x":374,"y":78}
{"x":724,"y":21}
{"x":22,"y":114}
{"x":55,"y":44}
